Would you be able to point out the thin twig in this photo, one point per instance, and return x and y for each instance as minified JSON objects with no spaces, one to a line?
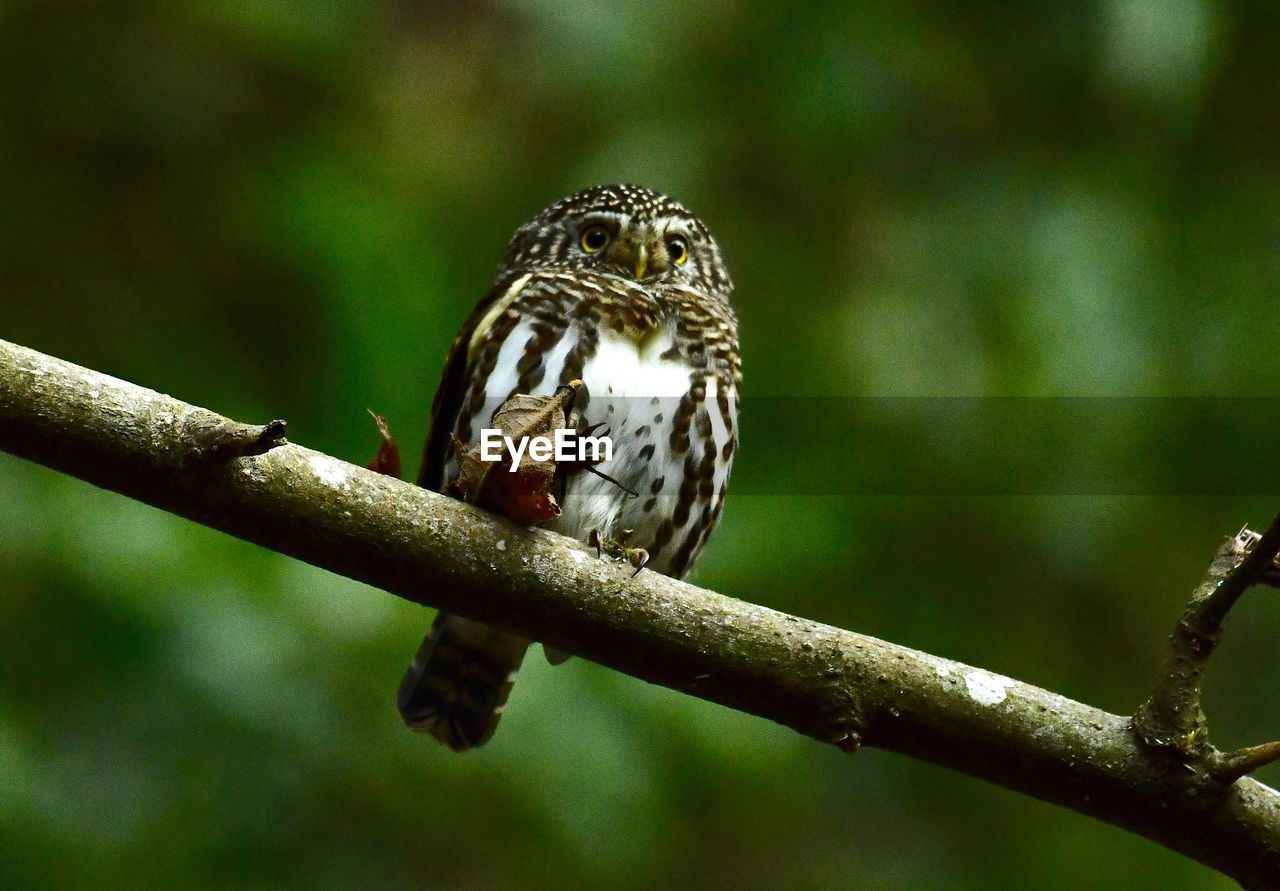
{"x":1261,"y":555}
{"x":1227,"y":767}
{"x":1172,"y":719}
{"x":600,"y":473}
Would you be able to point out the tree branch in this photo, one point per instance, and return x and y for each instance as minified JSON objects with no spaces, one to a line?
{"x":835,"y":686}
{"x":1171,"y":720}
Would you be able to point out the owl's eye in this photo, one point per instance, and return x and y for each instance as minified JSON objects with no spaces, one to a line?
{"x":677,"y":249}
{"x":594,"y":238}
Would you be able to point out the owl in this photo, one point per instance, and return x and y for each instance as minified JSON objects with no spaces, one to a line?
{"x":624,"y":289}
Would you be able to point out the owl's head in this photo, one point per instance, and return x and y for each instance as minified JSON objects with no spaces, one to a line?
{"x":623,"y":230}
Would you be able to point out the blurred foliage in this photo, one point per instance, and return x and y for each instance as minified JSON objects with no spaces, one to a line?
{"x":279,"y":209}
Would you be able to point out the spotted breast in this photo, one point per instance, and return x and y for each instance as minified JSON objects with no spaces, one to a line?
{"x":660,"y":373}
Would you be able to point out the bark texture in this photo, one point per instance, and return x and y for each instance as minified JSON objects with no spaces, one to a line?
{"x":836,"y":686}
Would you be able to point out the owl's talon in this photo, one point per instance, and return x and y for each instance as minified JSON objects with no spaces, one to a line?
{"x":639,"y":558}
{"x":615,"y":549}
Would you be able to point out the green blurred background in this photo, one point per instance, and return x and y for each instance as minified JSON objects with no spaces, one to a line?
{"x":278,"y":209}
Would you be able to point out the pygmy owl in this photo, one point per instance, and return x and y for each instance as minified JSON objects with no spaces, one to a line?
{"x":625,"y":290}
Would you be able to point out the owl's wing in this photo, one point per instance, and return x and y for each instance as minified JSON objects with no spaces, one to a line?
{"x":455,"y":378}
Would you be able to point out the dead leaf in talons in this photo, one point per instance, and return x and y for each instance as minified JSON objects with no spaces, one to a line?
{"x":387,"y":460}
{"x":523,"y":494}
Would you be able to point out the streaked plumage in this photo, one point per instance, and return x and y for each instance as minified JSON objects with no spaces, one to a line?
{"x":654,"y":340}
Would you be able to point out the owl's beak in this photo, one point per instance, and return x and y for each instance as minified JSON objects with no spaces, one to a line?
{"x":636,"y":258}
{"x":642,"y":261}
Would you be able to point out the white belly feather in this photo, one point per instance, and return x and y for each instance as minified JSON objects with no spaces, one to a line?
{"x":630,"y":386}
{"x":636,"y":394}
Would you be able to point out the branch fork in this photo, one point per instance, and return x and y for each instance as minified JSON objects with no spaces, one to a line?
{"x":1172,"y":721}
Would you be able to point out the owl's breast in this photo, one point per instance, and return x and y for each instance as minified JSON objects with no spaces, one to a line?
{"x":633,"y":388}
{"x":653,"y":380}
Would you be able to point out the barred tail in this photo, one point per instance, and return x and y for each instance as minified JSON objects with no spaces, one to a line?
{"x":457,"y":685}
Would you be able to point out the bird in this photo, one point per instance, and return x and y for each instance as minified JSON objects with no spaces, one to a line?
{"x":623,"y":289}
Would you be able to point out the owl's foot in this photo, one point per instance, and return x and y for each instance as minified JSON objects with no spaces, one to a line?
{"x":616,"y":549}
{"x":639,"y":558}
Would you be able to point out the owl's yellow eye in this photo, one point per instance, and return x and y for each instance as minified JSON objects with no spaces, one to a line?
{"x":677,"y":249}
{"x":594,"y":239}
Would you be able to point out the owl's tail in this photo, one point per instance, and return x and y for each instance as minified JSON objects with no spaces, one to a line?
{"x":458,"y":684}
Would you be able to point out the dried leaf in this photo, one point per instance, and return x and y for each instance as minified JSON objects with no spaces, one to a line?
{"x":387,"y":460}
{"x":523,"y":494}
